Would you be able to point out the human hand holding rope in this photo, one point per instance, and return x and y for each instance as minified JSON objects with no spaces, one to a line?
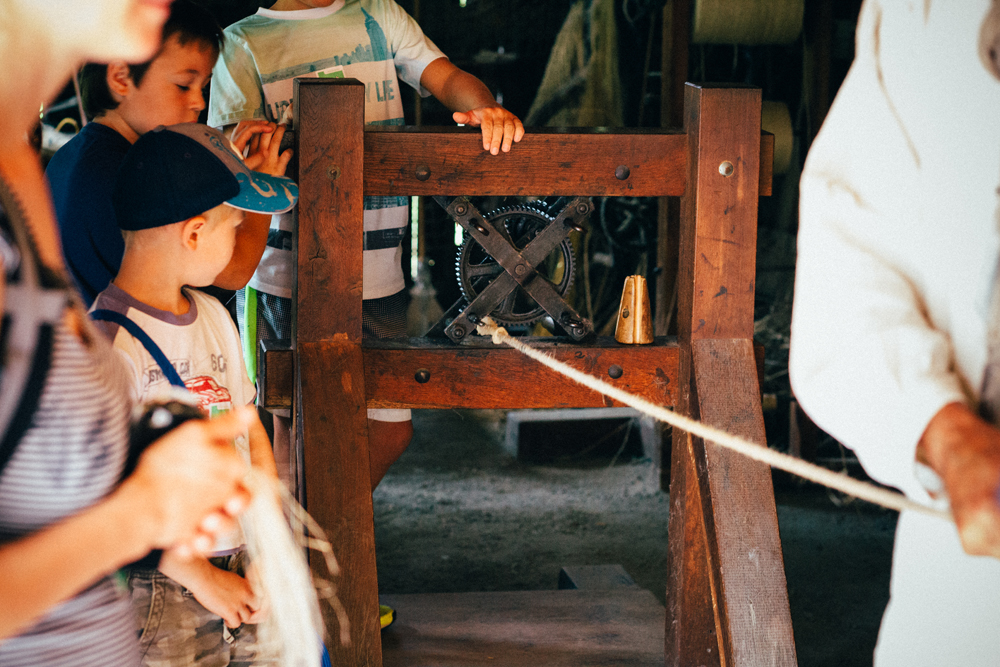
{"x":964,"y":450}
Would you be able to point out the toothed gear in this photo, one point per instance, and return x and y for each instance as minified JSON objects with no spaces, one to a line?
{"x":476,"y":269}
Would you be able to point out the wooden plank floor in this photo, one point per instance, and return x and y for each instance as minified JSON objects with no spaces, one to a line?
{"x":571,"y":628}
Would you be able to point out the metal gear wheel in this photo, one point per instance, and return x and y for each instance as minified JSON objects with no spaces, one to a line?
{"x":476,"y":269}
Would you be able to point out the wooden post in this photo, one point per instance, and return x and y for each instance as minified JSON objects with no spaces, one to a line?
{"x":727,"y":602}
{"x":331,"y":416}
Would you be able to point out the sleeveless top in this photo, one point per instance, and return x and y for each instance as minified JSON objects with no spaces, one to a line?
{"x":64,"y":416}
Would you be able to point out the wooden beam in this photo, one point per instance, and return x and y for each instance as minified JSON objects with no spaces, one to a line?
{"x":753,"y":622}
{"x":500,"y":377}
{"x":408,"y":161}
{"x":331,"y":419}
{"x":738,"y":574}
{"x":718,"y":238}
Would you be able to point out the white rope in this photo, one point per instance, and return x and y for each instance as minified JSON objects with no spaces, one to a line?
{"x":809,"y":471}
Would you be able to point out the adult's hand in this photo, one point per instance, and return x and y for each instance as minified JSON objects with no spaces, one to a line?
{"x":500,"y":127}
{"x":964,"y":450}
{"x":188,"y":485}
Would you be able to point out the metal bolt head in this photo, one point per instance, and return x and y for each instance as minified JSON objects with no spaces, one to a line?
{"x":615,"y":371}
{"x":422,"y":172}
{"x":727,"y":168}
{"x":333,"y":172}
{"x":423,"y":376}
{"x":583,"y":209}
{"x":460,"y":209}
{"x":459,"y":332}
{"x":622,"y":172}
{"x":520,"y":269}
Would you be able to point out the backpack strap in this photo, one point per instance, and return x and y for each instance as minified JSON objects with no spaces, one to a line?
{"x":33,"y":305}
{"x":154,"y":350}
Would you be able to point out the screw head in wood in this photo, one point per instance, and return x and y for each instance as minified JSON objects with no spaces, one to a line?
{"x":615,"y":371}
{"x":727,"y":168}
{"x":333,"y":172}
{"x":622,"y":172}
{"x":422,"y":172}
{"x":423,"y":376}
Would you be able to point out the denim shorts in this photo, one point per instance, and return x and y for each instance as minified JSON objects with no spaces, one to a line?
{"x":176,"y":631}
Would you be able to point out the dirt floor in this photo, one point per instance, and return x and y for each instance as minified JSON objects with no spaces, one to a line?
{"x":457,"y":513}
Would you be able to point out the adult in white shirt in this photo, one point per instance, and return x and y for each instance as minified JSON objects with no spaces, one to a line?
{"x":895,"y":308}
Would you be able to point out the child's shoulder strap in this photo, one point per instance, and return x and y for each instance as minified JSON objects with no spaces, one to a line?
{"x":154,"y":350}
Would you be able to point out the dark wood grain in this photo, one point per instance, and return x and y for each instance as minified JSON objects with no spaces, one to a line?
{"x":741,"y":523}
{"x":570,"y":162}
{"x":718,"y":236}
{"x":501,"y":377}
{"x":691,"y":637}
{"x":335,"y":447}
{"x":727,"y":579}
{"x":330,"y":236}
{"x":275,"y":375}
{"x":331,"y":420}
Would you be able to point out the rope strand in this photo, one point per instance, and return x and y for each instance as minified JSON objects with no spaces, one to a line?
{"x":763,"y":454}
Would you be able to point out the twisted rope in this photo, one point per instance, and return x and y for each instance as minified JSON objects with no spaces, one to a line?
{"x":763,"y":454}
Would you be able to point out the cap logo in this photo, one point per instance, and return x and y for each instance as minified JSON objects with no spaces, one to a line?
{"x":266,"y":190}
{"x":214,"y":140}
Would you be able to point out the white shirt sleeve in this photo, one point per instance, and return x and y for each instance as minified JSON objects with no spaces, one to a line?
{"x":889,"y":274}
{"x":411,"y":50}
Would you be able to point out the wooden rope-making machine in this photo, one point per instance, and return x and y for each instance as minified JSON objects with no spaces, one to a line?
{"x":727,"y":602}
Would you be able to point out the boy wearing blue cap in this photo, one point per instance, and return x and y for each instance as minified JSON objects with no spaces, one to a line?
{"x":179,"y":198}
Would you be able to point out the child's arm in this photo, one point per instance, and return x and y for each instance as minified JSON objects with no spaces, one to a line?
{"x":473,"y":104}
{"x":224,"y":593}
{"x":264,"y":140}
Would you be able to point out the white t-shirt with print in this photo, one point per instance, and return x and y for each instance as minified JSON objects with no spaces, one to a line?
{"x":374,"y":41}
{"x":202,"y":345}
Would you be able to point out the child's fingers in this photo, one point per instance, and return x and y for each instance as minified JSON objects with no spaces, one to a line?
{"x":283,"y":160}
{"x":497,"y":130}
{"x":246,"y":130}
{"x":278,"y":135}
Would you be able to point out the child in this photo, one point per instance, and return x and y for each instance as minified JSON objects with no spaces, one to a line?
{"x":126,"y":101}
{"x":178,"y":200}
{"x":374,"y":41}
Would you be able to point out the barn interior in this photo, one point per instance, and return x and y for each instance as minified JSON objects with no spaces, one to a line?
{"x":494,"y":519}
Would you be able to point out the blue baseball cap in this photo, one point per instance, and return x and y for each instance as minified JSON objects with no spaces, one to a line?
{"x":175,"y":173}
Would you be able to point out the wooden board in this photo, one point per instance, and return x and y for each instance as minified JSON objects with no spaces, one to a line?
{"x":331,"y":420}
{"x":718,"y":253}
{"x":330,"y":239}
{"x":691,"y":636}
{"x":568,"y":628}
{"x":335,"y":447}
{"x":500,"y":377}
{"x":726,"y":598}
{"x":741,"y":522}
{"x":570,"y":162}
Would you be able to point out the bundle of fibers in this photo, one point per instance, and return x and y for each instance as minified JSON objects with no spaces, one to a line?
{"x":277,"y":530}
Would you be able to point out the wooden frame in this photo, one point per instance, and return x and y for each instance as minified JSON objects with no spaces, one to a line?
{"x":727,"y":603}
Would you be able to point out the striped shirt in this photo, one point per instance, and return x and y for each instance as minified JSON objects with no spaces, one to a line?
{"x":69,"y":457}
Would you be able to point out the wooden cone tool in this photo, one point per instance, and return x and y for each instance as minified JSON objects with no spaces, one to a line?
{"x":635,"y":319}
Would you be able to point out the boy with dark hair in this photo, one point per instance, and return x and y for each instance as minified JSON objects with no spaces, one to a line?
{"x":179,"y":198}
{"x":126,"y":101}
